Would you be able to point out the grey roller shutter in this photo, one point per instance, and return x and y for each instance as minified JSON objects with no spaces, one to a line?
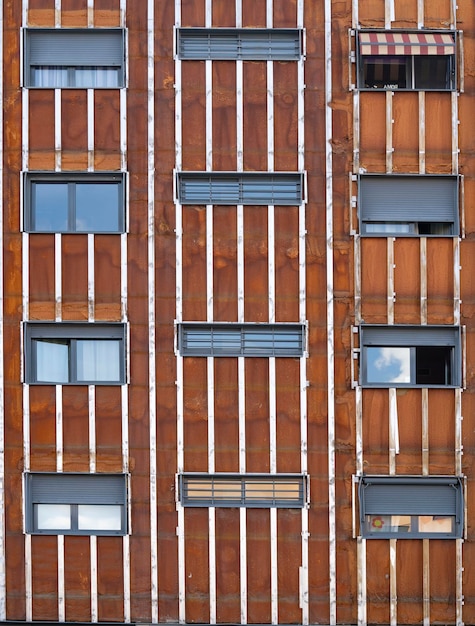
{"x":408,"y":198}
{"x":410,"y":499}
{"x":75,"y":331}
{"x":242,"y":44}
{"x":77,"y":488}
{"x":85,"y":47}
{"x":410,"y":335}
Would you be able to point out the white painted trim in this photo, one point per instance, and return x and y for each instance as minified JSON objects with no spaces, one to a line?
{"x":123,"y":128}
{"x":238,"y":13}
{"x":28,"y":580}
{"x":57,"y":277}
{"x":392,"y":582}
{"x":57,"y":130}
{"x":90,"y":13}
{"x":243,"y":563}
{"x":91,"y":392}
{"x":91,"y":288}
{"x":61,"y":582}
{"x":94,"y":598}
{"x":25,"y":126}
{"x":361,"y":575}
{"x":212,"y":564}
{"x":90,"y":128}
{"x":274,"y":567}
{"x":126,"y":574}
{"x":124,"y":393}
{"x":57,"y":13}
{"x":59,"y":427}
{"x":123,"y":276}
{"x":181,"y":565}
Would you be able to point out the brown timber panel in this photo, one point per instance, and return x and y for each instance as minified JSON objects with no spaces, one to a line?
{"x":254,"y":13}
{"x":75,"y":429}
{"x":256,"y":286}
{"x":41,"y":129}
{"x":41,"y":270}
{"x":43,"y":428}
{"x":371,"y":14}
{"x":409,"y":409}
{"x":228,"y":602}
{"x":440,"y":281}
{"x":226,"y":415}
{"x":107,"y":281}
{"x":110,"y":579}
{"x":194,"y":263}
{"x":44,"y":574}
{"x":409,"y":577}
{"x":193,"y":115}
{"x":255,"y":115}
{"x":108,"y":412}
{"x":373,"y":131}
{"x":77,"y":579}
{"x":286,"y":116}
{"x":287,"y":258}
{"x":225,"y":287}
{"x":73,"y":13}
{"x":441,"y":431}
{"x":374,"y":279}
{"x":224,"y":115}
{"x":289,"y":550}
{"x":442,"y":588}
{"x":257,"y":414}
{"x":107,"y":129}
{"x":437,"y":13}
{"x":376,"y":431}
{"x":258,"y":566}
{"x":377,"y":581}
{"x":41,"y":13}
{"x":407,"y":281}
{"x":196,"y":565}
{"x":438,"y":132}
{"x":195,"y":409}
{"x":287,"y":383}
{"x":74,"y":129}
{"x":406,"y":132}
{"x":74,"y":277}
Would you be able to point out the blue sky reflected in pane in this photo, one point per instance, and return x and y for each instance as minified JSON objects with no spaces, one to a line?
{"x":50,"y":207}
{"x":388,"y":365}
{"x":97,"y":207}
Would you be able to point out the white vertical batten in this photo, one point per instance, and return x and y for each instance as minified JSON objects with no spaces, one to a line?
{"x":59,"y":468}
{"x":90,"y":13}
{"x":90,"y":128}
{"x":57,"y":13}
{"x":57,"y":130}
{"x":57,"y":277}
{"x":330,"y":313}
{"x":93,"y":565}
{"x":90,"y":277}
{"x":92,"y":427}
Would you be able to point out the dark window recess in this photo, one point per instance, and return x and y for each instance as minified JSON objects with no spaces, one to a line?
{"x":408,"y":206}
{"x":394,"y":60}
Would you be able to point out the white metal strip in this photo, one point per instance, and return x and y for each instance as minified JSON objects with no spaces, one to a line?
{"x":123,"y":129}
{"x":125,"y":428}
{"x":422,"y":132}
{"x":57,"y":13}
{"x":94,"y":598}
{"x":57,"y":277}
{"x":425,"y":431}
{"x":359,"y":429}
{"x":61,"y":584}
{"x":126,"y":574}
{"x":3,"y":608}
{"x":393,"y":430}
{"x":356,"y":128}
{"x":28,"y":580}
{"x":420,"y":14}
{"x":57,"y":130}
{"x":90,"y":277}
{"x":423,"y":278}
{"x":426,"y":582}
{"x":181,"y":565}
{"x":457,"y":292}
{"x":274,"y":567}
{"x":123,"y":277}
{"x":455,"y":133}
{"x":390,"y":279}
{"x":92,"y":427}
{"x":90,"y":127}
{"x":389,"y":13}
{"x":242,"y":470}
{"x":122,"y":8}
{"x":90,"y":13}
{"x":273,"y":469}
{"x":212,"y":563}
{"x":243,"y":563}
{"x":26,"y":461}
{"x":458,"y":583}
{"x":389,"y":132}
{"x":392,"y":582}
{"x":361,"y":575}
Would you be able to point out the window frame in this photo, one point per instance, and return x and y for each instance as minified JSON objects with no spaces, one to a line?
{"x":398,"y":217}
{"x":414,"y":506}
{"x":71,"y":179}
{"x":108,"y":486}
{"x":215,"y":350}
{"x":411,"y":337}
{"x":71,"y":332}
{"x":243,"y":482}
{"x":28,"y":65}
{"x":451,"y":68}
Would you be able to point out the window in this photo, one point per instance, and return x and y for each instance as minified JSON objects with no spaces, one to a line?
{"x":87,"y":57}
{"x":75,"y":353}
{"x":76,"y":203}
{"x":410,"y":356}
{"x":260,"y":188}
{"x":239,"y":43}
{"x":227,"y":339}
{"x":406,"y":60}
{"x":414,"y":205}
{"x":407,"y":507}
{"x":248,"y":490}
{"x":76,"y":504}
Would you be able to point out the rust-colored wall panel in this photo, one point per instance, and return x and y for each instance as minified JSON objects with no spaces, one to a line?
{"x":74,"y":129}
{"x":406,"y":132}
{"x":254,"y":13}
{"x":222,"y":15}
{"x":193,"y":12}
{"x":44,"y":568}
{"x":442,"y":588}
{"x":106,"y":13}
{"x":108,"y":410}
{"x":440,"y":281}
{"x":194,"y":115}
{"x":285,"y":116}
{"x":73,"y":13}
{"x":195,"y":403}
{"x":41,"y":284}
{"x":196,"y":565}
{"x":43,"y":428}
{"x":225,"y":300}
{"x":289,"y":550}
{"x":257,"y":414}
{"x":258,"y":566}
{"x":15,"y":575}
{"x":438,"y":132}
{"x":41,"y":13}
{"x":407,"y":281}
{"x":373,"y":131}
{"x":110,"y":580}
{"x":285,"y":12}
{"x":140,"y":577}
{"x":441,"y":431}
{"x":409,"y":577}
{"x":347,"y":567}
{"x":224,"y":115}
{"x":286,"y":237}
{"x":377,"y":581}
{"x":255,"y":115}
{"x":106,"y":128}
{"x":41,"y":135}
{"x":228,"y":601}
{"x":194,"y":263}
{"x":226,"y":415}
{"x":287,"y":388}
{"x":107,"y":281}
{"x":77,"y":578}
{"x":256,"y":289}
{"x":376,"y":430}
{"x":75,"y":429}
{"x":371,"y":14}
{"x":168,"y":572}
{"x":409,"y":410}
{"x":437,"y":13}
{"x":74,"y":277}
{"x":405,"y":14}
{"x":374,"y":277}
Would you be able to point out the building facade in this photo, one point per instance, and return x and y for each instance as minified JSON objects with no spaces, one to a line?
{"x":237,"y":305}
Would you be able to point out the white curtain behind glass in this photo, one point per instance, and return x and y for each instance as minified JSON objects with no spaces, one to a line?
{"x":52,"y":361}
{"x":98,"y":360}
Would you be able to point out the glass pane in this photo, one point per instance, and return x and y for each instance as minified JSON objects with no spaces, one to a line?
{"x":432,"y":72}
{"x":389,"y":227}
{"x":385,"y":72}
{"x":388,"y":523}
{"x":53,"y":516}
{"x":436,"y":524}
{"x":52,"y":360}
{"x":388,"y":365}
{"x":97,"y":207}
{"x":98,"y":360}
{"x":99,"y":517}
{"x":96,"y":77}
{"x":45,"y":76}
{"x":50,"y":206}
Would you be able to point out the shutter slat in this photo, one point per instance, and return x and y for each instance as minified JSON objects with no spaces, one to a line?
{"x":409,"y":336}
{"x":410,"y":499}
{"x":87,"y":47}
{"x":77,"y":488}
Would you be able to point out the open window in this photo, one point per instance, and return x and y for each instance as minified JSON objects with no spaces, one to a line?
{"x":411,"y":507}
{"x":410,"y":356}
{"x":408,"y":60}
{"x":408,"y":205}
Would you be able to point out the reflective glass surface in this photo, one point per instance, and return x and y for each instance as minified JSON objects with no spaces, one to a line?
{"x":53,"y":516}
{"x":99,"y":517}
{"x":52,"y":360}
{"x":388,"y":364}
{"x":50,"y":206}
{"x":97,"y":207}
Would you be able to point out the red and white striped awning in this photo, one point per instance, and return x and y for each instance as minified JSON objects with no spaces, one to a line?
{"x":406,"y":43}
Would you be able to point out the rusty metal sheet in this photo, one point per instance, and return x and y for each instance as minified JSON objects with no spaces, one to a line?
{"x":406,"y":132}
{"x":258,"y":566}
{"x":77,"y":579}
{"x":74,"y":277}
{"x":405,"y":12}
{"x":255,"y":115}
{"x":41,"y":136}
{"x":373,"y":131}
{"x":257,"y":414}
{"x":222,"y":15}
{"x":107,"y":280}
{"x":225,"y":300}
{"x":376,"y":431}
{"x":168,"y":566}
{"x":226,"y":417}
{"x":409,"y":408}
{"x":15,"y":574}
{"x":107,"y":129}
{"x":437,"y":13}
{"x":407,"y":281}
{"x":195,"y":401}
{"x":224,"y":115}
{"x":75,"y":429}
{"x":409,"y":576}
{"x":42,"y":282}
{"x":440,"y":281}
{"x":108,"y":411}
{"x":193,"y":12}
{"x":43,"y":428}
{"x":377,"y":581}
{"x":194,"y":115}
{"x":438,"y":132}
{"x":256,"y":289}
{"x":442,"y":588}
{"x":289,"y":551}
{"x":374,"y":277}
{"x":194,"y":263}
{"x":228,"y":601}
{"x":288,"y":428}
{"x":106,"y":13}
{"x":284,"y":13}
{"x":286,"y":116}
{"x":73,"y":13}
{"x":196,"y":565}
{"x":254,"y":13}
{"x":287,"y":259}
{"x":44,"y":568}
{"x":140,"y":574}
{"x":441,"y":431}
{"x":74,"y":129}
{"x":41,"y":13}
{"x":110,"y":579}
{"x":371,"y":13}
